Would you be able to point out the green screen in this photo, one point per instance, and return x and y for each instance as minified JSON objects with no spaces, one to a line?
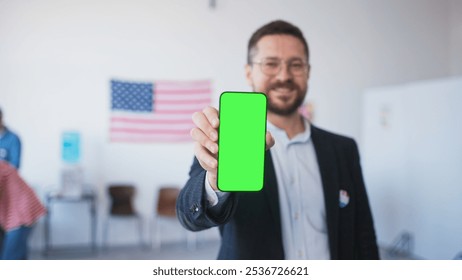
{"x":241,"y":141}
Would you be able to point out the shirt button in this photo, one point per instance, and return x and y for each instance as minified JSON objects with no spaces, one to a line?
{"x":296,"y":216}
{"x":300,"y":254}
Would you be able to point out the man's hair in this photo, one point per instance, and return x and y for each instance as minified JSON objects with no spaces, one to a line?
{"x":278,"y":27}
{"x":1,"y":114}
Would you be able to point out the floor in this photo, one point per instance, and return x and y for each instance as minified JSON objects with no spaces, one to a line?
{"x":174,"y":251}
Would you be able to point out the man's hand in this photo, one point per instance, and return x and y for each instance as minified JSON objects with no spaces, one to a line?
{"x":205,"y":136}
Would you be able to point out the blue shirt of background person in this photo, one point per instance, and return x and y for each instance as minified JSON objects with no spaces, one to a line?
{"x":10,"y":145}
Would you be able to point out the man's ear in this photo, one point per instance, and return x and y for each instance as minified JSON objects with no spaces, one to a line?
{"x":248,"y":75}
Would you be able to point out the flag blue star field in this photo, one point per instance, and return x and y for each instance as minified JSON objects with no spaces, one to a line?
{"x":156,"y":112}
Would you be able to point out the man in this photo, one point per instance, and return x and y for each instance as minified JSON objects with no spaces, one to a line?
{"x":313,"y":204}
{"x":10,"y":145}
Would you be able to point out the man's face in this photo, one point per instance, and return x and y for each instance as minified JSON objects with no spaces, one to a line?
{"x":285,"y":91}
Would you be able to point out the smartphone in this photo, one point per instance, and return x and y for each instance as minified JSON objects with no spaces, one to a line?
{"x":241,"y":141}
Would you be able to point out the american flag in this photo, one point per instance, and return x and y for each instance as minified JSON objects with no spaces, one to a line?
{"x":155,"y":112}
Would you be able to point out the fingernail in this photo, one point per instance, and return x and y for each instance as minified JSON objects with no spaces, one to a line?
{"x":214,"y":122}
{"x":213,"y":135}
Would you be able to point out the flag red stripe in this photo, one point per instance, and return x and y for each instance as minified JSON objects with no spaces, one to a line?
{"x":147,"y":139}
{"x":187,"y":101}
{"x":175,"y":112}
{"x":182,"y":91}
{"x":151,"y":121}
{"x":151,"y":131}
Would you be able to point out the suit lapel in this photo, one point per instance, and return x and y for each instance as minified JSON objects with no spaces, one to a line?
{"x":328,"y":168}
{"x":271,"y":191}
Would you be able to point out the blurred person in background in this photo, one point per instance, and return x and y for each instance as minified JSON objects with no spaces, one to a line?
{"x":19,"y":211}
{"x":10,"y":145}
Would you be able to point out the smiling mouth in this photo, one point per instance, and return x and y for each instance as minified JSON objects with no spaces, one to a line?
{"x":284,"y":92}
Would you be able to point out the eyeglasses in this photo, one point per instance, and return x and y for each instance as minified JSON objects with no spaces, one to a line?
{"x":272,"y":66}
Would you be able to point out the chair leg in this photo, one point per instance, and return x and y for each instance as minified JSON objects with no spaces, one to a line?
{"x":153,"y":233}
{"x":105,"y":233}
{"x":157,"y":243}
{"x":140,"y":231}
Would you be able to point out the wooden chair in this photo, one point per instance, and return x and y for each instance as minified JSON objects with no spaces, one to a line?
{"x":165,"y":209}
{"x":121,"y":196}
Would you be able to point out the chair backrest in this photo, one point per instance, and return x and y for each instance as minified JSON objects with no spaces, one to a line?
{"x":121,"y":199}
{"x":166,"y":202}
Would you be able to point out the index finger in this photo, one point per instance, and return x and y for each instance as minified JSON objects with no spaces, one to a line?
{"x":212,"y":115}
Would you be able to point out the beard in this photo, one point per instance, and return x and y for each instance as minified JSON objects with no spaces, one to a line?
{"x":285,"y":109}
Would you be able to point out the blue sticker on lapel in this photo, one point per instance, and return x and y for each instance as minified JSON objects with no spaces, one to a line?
{"x":344,"y":198}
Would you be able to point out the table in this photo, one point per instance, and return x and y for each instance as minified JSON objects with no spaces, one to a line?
{"x":87,"y":197}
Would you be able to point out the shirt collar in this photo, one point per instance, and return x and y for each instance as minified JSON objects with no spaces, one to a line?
{"x":279,"y":133}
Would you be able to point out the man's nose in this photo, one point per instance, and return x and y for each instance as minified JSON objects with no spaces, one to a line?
{"x":284,"y":73}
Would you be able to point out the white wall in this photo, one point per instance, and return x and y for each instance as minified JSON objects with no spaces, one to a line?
{"x":412,"y":161}
{"x":56,"y":59}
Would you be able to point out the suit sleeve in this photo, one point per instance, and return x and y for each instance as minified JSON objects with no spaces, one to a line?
{"x":192,"y":207}
{"x":365,"y":233}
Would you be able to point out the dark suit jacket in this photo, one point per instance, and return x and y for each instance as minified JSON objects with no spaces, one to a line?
{"x":250,"y":223}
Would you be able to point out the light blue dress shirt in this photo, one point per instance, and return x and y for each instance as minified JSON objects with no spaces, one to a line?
{"x":301,"y":197}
